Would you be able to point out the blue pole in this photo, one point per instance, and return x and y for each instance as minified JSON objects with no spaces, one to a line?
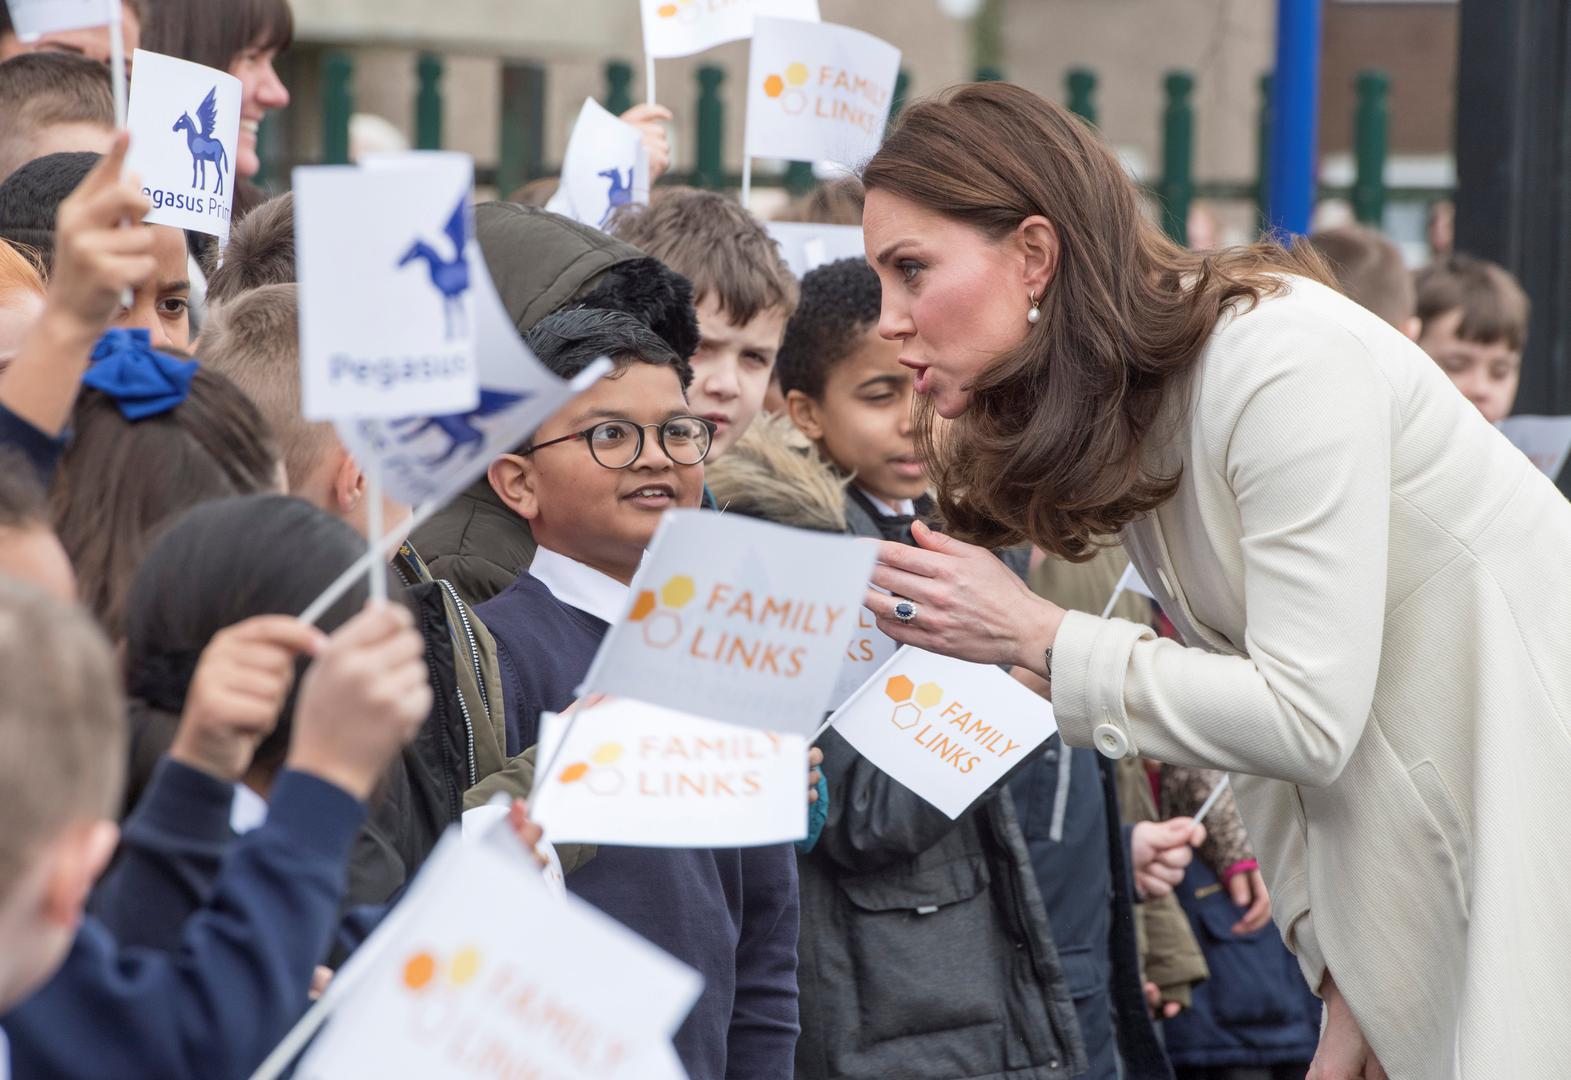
{"x":1294,"y":98}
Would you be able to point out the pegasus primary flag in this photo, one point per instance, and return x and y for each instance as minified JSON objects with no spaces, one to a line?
{"x":817,"y":91}
{"x":947,"y":729}
{"x":606,"y":166}
{"x":807,"y":246}
{"x":386,"y":304}
{"x":623,"y":772}
{"x":185,"y":122}
{"x":737,"y":620}
{"x":684,"y":27}
{"x":32,"y":19}
{"x":429,"y":456}
{"x":480,"y":971}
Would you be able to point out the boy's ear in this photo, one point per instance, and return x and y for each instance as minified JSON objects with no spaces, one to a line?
{"x":512,"y":477}
{"x":805,"y":414}
{"x":345,"y":483}
{"x":77,"y":857}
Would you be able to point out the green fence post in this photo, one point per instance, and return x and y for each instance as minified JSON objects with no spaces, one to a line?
{"x":902,"y":89}
{"x":1263,"y":155}
{"x":523,"y":126}
{"x":428,"y":102}
{"x":799,"y":178}
{"x":338,"y":104}
{"x":618,"y":87}
{"x":710,"y":170}
{"x":987,"y":41}
{"x":1371,"y":133}
{"x":1082,"y":88}
{"x":1177,"y":187}
{"x":989,"y":73}
{"x":266,"y":150}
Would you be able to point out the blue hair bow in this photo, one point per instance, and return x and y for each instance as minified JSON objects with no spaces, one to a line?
{"x":142,"y":381}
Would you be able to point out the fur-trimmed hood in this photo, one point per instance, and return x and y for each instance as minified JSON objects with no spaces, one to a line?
{"x":773,"y":473}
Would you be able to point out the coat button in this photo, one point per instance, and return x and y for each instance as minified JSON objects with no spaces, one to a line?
{"x":1110,"y":741}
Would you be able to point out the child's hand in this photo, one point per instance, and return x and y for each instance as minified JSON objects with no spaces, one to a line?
{"x":364,"y":698}
{"x":240,"y":684}
{"x":1161,"y":851}
{"x":101,"y":249}
{"x":815,"y":758}
{"x":649,"y":119}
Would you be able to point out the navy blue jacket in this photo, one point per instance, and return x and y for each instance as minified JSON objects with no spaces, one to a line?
{"x":1079,"y":855}
{"x":731,"y":913}
{"x":1255,"y":1009}
{"x":41,"y":451}
{"x":215,"y":1006}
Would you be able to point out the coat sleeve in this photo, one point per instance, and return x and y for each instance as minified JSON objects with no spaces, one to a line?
{"x":1305,"y":449}
{"x":761,"y":1044}
{"x":171,"y":848}
{"x":236,"y":982}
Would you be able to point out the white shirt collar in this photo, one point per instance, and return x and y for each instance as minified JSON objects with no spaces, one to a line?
{"x":580,"y":586}
{"x":247,"y":810}
{"x":906,"y":507}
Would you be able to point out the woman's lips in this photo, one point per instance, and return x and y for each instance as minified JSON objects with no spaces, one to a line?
{"x":923,"y":380}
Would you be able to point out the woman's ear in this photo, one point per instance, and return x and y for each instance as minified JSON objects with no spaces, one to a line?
{"x":1037,"y":239}
{"x":805,"y":415}
{"x":512,"y":477}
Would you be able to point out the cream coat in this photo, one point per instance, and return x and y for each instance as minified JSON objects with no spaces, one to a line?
{"x":1375,"y":590}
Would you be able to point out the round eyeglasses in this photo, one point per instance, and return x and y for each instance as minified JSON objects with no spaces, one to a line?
{"x":616,"y":444}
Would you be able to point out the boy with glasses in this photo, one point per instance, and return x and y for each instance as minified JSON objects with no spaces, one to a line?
{"x":592,"y":484}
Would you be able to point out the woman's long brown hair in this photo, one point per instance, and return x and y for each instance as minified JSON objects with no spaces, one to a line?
{"x":1051,"y":448}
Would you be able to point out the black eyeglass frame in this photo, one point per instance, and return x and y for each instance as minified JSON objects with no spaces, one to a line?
{"x":638,"y":452}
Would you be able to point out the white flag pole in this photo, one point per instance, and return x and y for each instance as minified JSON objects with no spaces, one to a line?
{"x":649,"y":77}
{"x":1216,"y":793}
{"x":747,"y":179}
{"x":118,"y":87}
{"x":1112,"y":601}
{"x":374,"y":527}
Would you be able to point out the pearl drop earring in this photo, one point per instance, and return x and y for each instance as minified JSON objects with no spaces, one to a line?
{"x":1033,"y":316}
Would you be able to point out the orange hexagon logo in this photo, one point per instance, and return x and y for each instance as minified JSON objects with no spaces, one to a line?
{"x":899,"y":688}
{"x":642,"y":606}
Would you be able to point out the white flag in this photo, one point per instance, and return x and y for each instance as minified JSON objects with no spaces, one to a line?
{"x":638,"y":775}
{"x":947,"y":729}
{"x":818,"y":92}
{"x":32,"y":19}
{"x":868,"y":650}
{"x":684,"y":27}
{"x":481,"y":971}
{"x":1546,"y":440}
{"x":737,"y":620}
{"x":1133,"y":582}
{"x":184,"y":121}
{"x":386,"y":269}
{"x":808,"y":246}
{"x":606,"y":166}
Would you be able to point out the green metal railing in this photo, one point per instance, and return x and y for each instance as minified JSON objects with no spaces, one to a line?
{"x":522,"y":152}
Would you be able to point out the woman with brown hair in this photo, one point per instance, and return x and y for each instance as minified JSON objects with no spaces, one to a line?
{"x":1369,"y":580}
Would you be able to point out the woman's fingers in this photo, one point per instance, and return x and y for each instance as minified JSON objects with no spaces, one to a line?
{"x":903,"y":583}
{"x":912,"y":560}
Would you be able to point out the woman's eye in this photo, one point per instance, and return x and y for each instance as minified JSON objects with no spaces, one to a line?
{"x":909,"y":270}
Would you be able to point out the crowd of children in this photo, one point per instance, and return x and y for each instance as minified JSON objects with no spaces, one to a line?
{"x":196,"y":785}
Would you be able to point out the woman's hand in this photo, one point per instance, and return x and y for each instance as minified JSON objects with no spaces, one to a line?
{"x":969,"y":605}
{"x":1343,"y":1053}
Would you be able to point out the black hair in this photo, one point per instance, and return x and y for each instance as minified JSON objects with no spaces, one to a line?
{"x":218,"y":564}
{"x":30,"y":200}
{"x":569,"y":341}
{"x":653,"y":293}
{"x":840,"y":301}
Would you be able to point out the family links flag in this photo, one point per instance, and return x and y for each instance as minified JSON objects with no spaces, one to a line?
{"x":481,"y":972}
{"x":32,"y":19}
{"x":817,"y":91}
{"x":737,"y":620}
{"x":606,"y":166}
{"x":947,"y":729}
{"x":807,"y":246}
{"x":386,"y":271}
{"x":624,"y":772}
{"x":1546,"y":440}
{"x":683,"y":27}
{"x":184,"y":121}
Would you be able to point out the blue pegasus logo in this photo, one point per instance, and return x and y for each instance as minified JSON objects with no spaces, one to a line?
{"x":621,"y":192}
{"x":458,"y":430}
{"x":450,"y":277}
{"x":202,"y":145}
